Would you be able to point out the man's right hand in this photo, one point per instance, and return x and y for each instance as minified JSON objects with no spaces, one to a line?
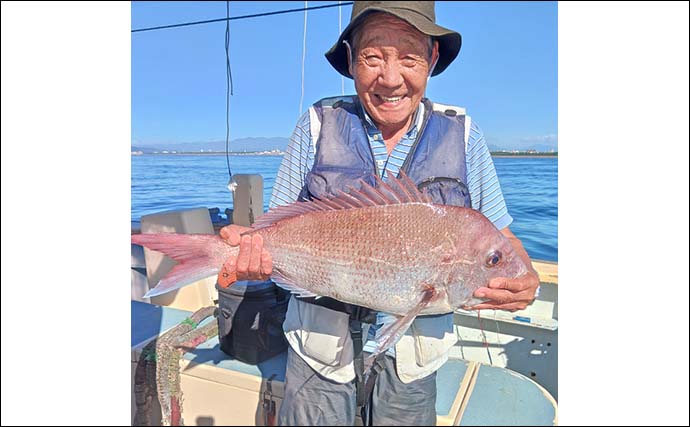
{"x":253,"y":261}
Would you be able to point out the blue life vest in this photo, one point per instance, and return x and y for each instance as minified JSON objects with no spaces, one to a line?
{"x":436,"y":162}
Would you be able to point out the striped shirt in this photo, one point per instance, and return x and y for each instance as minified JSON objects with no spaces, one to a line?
{"x":485,"y":191}
{"x":391,"y":164}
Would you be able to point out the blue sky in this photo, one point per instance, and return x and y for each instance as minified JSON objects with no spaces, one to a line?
{"x":505,"y":75}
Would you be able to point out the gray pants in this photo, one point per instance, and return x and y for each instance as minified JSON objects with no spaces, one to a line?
{"x":311,"y":399}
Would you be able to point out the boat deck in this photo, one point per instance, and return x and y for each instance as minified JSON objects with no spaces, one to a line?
{"x":222,"y":390}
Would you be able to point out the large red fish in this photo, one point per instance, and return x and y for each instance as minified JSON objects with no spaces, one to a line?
{"x":385,"y":247}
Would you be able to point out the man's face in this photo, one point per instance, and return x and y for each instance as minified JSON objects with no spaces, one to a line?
{"x":390,"y":69}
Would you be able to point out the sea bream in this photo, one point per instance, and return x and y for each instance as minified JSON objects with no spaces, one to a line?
{"x":388,"y":248}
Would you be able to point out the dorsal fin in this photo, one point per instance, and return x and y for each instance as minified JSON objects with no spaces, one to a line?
{"x":396,"y":191}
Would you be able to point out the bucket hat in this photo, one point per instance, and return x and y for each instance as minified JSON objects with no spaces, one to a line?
{"x":419,"y":14}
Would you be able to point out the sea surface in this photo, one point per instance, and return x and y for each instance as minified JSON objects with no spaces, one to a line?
{"x":167,"y":182}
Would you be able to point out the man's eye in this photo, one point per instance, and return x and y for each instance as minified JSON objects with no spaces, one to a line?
{"x":409,"y":62}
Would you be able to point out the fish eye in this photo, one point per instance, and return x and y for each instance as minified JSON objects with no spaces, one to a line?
{"x":493,"y":259}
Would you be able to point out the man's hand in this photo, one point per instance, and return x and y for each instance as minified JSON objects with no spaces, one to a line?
{"x":253,"y":261}
{"x":510,"y":294}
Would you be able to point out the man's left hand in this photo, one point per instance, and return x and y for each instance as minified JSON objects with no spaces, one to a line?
{"x":508,"y":294}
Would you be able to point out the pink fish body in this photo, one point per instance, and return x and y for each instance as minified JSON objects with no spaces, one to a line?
{"x":386,"y":257}
{"x":385,"y":247}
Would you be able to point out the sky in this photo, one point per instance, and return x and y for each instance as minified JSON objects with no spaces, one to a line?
{"x":505,"y":75}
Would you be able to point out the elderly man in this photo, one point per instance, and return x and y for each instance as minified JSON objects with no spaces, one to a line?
{"x":390,"y":49}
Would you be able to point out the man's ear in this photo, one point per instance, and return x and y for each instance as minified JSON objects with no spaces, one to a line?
{"x":434,"y":57}
{"x":349,"y":57}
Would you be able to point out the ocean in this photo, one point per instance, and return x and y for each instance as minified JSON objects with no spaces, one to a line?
{"x":166,"y":182}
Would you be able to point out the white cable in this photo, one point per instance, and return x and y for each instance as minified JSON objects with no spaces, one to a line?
{"x":304,"y":54}
{"x":340,"y":30}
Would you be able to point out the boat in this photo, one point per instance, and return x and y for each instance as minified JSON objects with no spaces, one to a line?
{"x":503,"y":369}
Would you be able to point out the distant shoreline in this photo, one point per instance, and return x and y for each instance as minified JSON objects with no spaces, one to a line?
{"x":280,"y":154}
{"x":526,"y":155}
{"x":210,"y":153}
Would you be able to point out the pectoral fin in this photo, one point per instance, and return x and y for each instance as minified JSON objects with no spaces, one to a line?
{"x":393,"y":330}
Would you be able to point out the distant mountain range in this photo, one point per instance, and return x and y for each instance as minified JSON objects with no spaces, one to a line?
{"x":259,"y":144}
{"x":542,"y":148}
{"x":236,"y":145}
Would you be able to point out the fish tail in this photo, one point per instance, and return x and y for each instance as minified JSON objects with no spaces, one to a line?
{"x":198,"y":256}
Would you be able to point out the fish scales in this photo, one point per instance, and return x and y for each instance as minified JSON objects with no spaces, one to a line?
{"x":366,"y":254}
{"x":390,"y":256}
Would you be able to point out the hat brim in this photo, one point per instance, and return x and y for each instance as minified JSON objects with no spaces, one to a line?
{"x":449,"y":41}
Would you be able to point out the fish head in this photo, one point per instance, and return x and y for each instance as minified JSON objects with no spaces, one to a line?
{"x":485,"y":255}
